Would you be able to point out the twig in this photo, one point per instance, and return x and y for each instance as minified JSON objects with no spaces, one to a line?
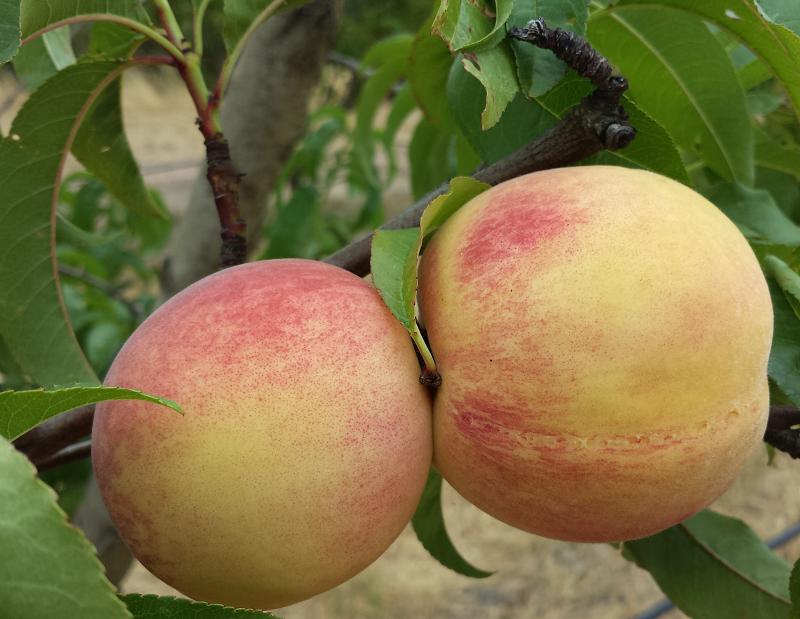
{"x":78,"y":451}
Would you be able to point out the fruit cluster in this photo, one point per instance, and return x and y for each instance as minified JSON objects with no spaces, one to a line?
{"x":602,"y":336}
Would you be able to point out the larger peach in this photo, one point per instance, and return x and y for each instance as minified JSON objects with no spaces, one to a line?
{"x":602,"y":335}
{"x":304,"y":447}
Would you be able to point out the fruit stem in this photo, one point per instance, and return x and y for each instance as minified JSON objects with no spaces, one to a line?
{"x":430,"y":376}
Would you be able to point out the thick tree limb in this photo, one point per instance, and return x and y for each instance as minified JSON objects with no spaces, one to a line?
{"x":51,"y":443}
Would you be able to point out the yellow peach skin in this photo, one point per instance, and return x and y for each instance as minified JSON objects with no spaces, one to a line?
{"x":602,"y":335}
{"x":305,"y":444}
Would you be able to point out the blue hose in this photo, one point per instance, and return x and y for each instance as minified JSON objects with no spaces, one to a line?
{"x":660,"y":608}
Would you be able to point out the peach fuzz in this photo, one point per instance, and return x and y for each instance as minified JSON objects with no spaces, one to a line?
{"x":602,"y":335}
{"x":305,"y":444}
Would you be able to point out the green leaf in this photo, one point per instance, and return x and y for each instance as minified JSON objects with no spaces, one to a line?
{"x":239,"y":14}
{"x":37,"y":14}
{"x":47,"y":568}
{"x":102,"y":147}
{"x":783,"y":12}
{"x":715,"y":567}
{"x":394,"y":270}
{"x":779,"y":47}
{"x":776,"y":156}
{"x":33,"y":320}
{"x":462,"y":189}
{"x":9,"y":29}
{"x":429,"y":157}
{"x":756,"y":213}
{"x":69,"y":483}
{"x":539,"y":69}
{"x":787,"y":279}
{"x":43,"y":57}
{"x":681,"y":76}
{"x":155,"y":607}
{"x":494,"y":69}
{"x":472,"y":25}
{"x":428,"y":523}
{"x":390,"y":58}
{"x":794,"y":588}
{"x":22,"y":410}
{"x":289,"y":233}
{"x":428,"y":68}
{"x":110,"y":41}
{"x":522,"y":121}
{"x":784,"y":357}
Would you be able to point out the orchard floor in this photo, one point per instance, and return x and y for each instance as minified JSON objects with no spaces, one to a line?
{"x":535,"y":578}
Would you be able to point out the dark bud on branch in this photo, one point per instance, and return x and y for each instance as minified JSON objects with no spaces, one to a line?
{"x":610,"y":122}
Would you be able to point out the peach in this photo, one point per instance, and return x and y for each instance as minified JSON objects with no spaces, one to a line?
{"x":602,"y":335}
{"x":305,"y":444}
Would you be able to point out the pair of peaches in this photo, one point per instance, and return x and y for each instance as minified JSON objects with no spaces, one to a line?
{"x":602,"y":336}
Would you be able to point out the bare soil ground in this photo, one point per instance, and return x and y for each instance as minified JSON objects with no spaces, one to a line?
{"x":535,"y":577}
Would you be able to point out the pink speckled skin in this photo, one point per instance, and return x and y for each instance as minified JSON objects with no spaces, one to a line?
{"x":602,"y":335}
{"x":304,"y":447}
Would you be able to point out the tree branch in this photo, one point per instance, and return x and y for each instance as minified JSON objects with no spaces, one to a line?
{"x":597,"y":123}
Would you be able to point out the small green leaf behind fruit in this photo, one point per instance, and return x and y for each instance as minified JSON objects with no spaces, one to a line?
{"x":428,"y":523}
{"x":715,"y":567}
{"x":22,"y":410}
{"x":58,"y":575}
{"x":395,"y":256}
{"x":794,"y":589}
{"x":158,"y":607}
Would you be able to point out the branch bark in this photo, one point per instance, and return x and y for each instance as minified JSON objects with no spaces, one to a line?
{"x":263,"y":115}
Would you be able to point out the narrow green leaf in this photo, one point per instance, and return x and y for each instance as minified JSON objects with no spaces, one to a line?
{"x":389,"y":57}
{"x":160,"y":607}
{"x":522,"y":121}
{"x":784,"y":357}
{"x":776,"y":156}
{"x":22,"y":410}
{"x":239,"y":14}
{"x":37,"y":14}
{"x":429,"y":157}
{"x":102,"y":147}
{"x":9,"y":29}
{"x":756,"y":213}
{"x":538,"y":69}
{"x":471,"y":25}
{"x":428,"y":523}
{"x":111,"y":41}
{"x":462,"y":189}
{"x":33,"y":320}
{"x":42,"y":58}
{"x":715,"y":567}
{"x":393,"y":264}
{"x":681,"y":76}
{"x":428,"y":68}
{"x":494,"y":69}
{"x":794,"y":588}
{"x":779,"y":47}
{"x":787,"y":279}
{"x":289,"y":233}
{"x":783,"y":12}
{"x":47,"y":568}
